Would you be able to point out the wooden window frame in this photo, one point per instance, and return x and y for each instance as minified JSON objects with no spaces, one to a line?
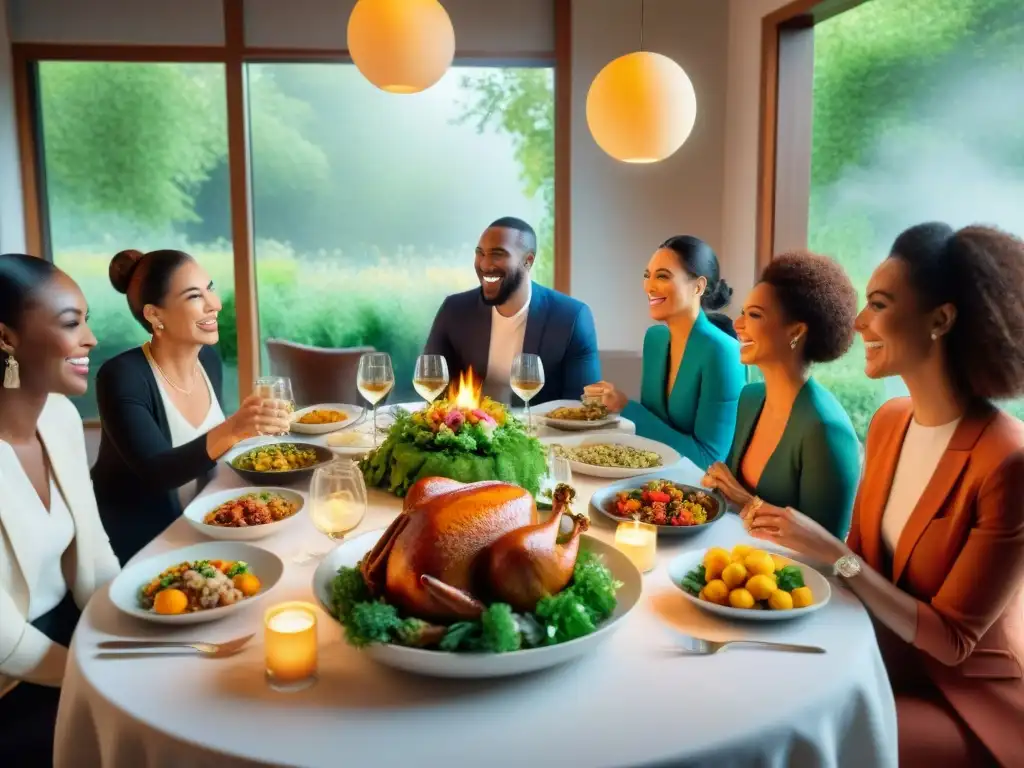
{"x":787,"y":70}
{"x":234,"y":54}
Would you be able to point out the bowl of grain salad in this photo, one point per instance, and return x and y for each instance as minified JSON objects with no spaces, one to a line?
{"x":614,"y":456}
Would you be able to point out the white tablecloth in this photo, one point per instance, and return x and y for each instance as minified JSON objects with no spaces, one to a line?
{"x":628,"y":704}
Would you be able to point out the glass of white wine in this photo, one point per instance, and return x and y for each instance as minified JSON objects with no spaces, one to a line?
{"x":430,"y":377}
{"x":375,"y":380}
{"x":337,"y":498}
{"x":275,"y":388}
{"x":526,"y":380}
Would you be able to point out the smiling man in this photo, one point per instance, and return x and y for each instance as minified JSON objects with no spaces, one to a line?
{"x":486,"y":328}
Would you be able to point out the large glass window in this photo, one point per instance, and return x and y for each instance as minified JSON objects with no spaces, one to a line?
{"x":918,"y":116}
{"x":368,"y":206}
{"x":135,"y":156}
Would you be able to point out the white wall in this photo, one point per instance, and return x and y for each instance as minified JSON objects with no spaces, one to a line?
{"x":742,"y":137}
{"x":621,"y":212}
{"x":12,"y":219}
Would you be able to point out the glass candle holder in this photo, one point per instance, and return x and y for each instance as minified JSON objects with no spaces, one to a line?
{"x":290,"y":646}
{"x":639,"y":542}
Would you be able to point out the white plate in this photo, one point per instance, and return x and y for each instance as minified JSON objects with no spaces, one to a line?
{"x":486,"y":665}
{"x":819,"y":585}
{"x":353,"y":412}
{"x":669,"y":456}
{"x":197,"y":511}
{"x":124,"y":590}
{"x":541,"y":411}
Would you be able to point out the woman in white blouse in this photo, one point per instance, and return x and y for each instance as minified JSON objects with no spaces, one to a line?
{"x":54,"y":553}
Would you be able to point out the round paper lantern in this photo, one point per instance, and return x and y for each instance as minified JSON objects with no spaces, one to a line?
{"x":641,"y":107}
{"x":401,"y":46}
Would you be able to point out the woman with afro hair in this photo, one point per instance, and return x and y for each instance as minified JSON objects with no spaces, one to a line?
{"x":794,"y":444}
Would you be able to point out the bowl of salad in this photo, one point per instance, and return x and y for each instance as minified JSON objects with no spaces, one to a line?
{"x":665,"y":501}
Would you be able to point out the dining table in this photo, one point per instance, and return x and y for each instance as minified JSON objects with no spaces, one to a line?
{"x":637,"y":700}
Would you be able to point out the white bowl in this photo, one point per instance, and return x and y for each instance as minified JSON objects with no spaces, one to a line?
{"x":570,"y":425}
{"x":124,"y":589}
{"x":686,"y":562}
{"x":669,"y":455}
{"x":354,"y":413}
{"x":486,"y":665}
{"x":363,"y":443}
{"x":200,"y":507}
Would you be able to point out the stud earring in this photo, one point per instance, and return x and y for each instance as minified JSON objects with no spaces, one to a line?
{"x":159,"y":326}
{"x":935,"y":336}
{"x":12,"y":377}
{"x":792,"y":344}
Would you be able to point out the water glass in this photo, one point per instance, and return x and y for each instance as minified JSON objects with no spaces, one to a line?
{"x":277,"y":389}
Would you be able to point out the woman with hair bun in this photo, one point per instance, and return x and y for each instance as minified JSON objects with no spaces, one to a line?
{"x":936,"y":548}
{"x":160,"y":404}
{"x":794,"y":444}
{"x":692,"y":375}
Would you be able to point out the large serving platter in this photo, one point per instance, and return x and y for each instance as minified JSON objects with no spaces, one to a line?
{"x":486,"y":665}
{"x":669,"y":456}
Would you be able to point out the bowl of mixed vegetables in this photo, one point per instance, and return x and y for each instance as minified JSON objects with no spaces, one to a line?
{"x":606,"y":586}
{"x":673,"y":506}
{"x":285,"y":462}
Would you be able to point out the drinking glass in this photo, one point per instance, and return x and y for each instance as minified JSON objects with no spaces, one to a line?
{"x":337,"y":501}
{"x":275,"y":388}
{"x":374,"y":381}
{"x":430,"y":377}
{"x":526,"y":380}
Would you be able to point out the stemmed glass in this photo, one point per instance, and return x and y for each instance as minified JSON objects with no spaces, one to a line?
{"x":277,"y":388}
{"x":374,"y":381}
{"x":337,"y":502}
{"x":430,"y":377}
{"x":526,"y":380}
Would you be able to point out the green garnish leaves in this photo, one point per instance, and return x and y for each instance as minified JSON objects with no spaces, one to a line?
{"x":789,"y":578}
{"x":463,"y":635}
{"x":347,"y":589}
{"x":237,"y":568}
{"x":370,"y":623}
{"x":500,"y":630}
{"x":694,"y":581}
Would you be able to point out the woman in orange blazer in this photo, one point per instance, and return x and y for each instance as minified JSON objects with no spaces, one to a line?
{"x":936,"y":549}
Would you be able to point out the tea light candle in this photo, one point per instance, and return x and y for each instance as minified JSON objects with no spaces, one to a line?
{"x":639,"y":542}
{"x":290,"y":646}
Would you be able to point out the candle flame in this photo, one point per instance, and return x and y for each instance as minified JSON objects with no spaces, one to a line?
{"x":466,"y":394}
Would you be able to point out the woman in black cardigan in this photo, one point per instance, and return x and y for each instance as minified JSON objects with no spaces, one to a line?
{"x":159,"y":404}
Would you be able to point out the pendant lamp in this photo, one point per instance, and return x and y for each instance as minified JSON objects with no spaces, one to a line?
{"x":401,"y":46}
{"x":641,"y":107}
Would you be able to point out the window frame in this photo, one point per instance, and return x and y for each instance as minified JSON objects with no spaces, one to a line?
{"x":234,"y":54}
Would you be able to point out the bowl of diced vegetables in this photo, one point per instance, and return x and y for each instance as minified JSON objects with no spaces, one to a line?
{"x":674,"y":507}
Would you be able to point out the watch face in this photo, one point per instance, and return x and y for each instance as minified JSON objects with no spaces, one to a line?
{"x":848,"y":566}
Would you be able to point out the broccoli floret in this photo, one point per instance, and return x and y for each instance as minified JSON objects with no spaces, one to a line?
{"x":500,"y":629}
{"x":368,"y":623}
{"x":347,"y":589}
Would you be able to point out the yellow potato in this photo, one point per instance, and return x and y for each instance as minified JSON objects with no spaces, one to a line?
{"x":715,"y":561}
{"x":802,"y":597}
{"x":780,"y":600}
{"x":717,"y":592}
{"x":741,"y":598}
{"x":740,"y":551}
{"x":780,"y":562}
{"x":761,"y":586}
{"x":734,"y":575}
{"x":759,"y":562}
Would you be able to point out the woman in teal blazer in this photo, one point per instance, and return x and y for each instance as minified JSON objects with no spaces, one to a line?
{"x":692,"y":375}
{"x":794,"y":444}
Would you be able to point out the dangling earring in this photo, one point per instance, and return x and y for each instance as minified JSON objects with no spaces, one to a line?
{"x":12,"y":377}
{"x":792,"y":344}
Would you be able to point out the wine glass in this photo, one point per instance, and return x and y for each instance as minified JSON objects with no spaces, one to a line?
{"x":374,"y":381}
{"x":526,"y":380}
{"x":275,"y":388}
{"x":337,"y":501}
{"x":430,"y":377}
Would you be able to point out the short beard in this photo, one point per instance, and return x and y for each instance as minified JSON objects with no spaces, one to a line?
{"x":511,"y":284}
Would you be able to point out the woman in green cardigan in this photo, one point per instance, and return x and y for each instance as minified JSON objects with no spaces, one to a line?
{"x":794,"y":444}
{"x":692,"y":374}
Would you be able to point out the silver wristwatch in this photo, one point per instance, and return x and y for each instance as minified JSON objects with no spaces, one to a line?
{"x":847,"y":566}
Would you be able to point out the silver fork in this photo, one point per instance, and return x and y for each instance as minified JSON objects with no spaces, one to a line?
{"x":206,"y":649}
{"x":695,"y":646}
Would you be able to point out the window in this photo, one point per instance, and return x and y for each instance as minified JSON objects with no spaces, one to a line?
{"x":135,"y":156}
{"x":368,"y":206}
{"x":918,"y":108}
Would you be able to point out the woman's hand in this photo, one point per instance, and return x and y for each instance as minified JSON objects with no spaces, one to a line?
{"x":611,"y":398}
{"x":719,"y":478}
{"x":793,"y":530}
{"x":258,"y":415}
